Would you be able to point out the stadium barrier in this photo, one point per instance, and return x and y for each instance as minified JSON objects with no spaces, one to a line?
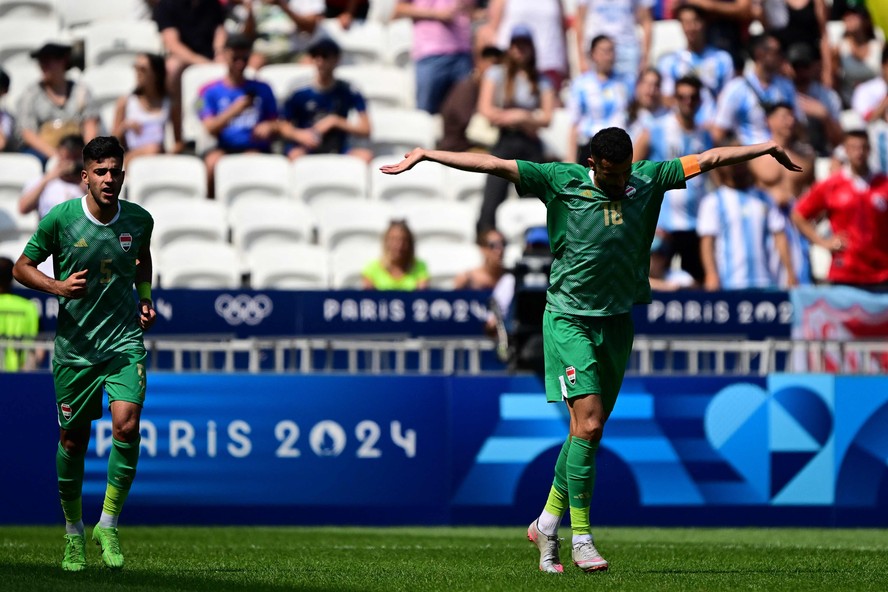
{"x":244,"y":448}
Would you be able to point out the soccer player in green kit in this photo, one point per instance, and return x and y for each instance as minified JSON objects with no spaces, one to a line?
{"x":601,"y":222}
{"x":100,"y":249}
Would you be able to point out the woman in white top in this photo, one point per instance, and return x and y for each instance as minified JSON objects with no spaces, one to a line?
{"x":141,"y":118}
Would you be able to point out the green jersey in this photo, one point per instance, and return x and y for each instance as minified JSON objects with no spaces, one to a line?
{"x":103,"y":323}
{"x":601,"y":246}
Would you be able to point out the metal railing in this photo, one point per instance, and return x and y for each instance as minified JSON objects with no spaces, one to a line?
{"x":474,"y":356}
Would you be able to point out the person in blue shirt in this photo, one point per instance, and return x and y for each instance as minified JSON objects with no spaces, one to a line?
{"x":315,"y":119}
{"x":239,"y":112}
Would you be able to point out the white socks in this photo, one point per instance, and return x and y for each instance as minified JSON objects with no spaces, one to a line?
{"x":548,"y":523}
{"x":74,"y":528}
{"x":108,"y":521}
{"x":581,"y":538}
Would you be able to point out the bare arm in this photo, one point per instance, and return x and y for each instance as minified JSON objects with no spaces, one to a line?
{"x":580,"y":29}
{"x":215,"y":124}
{"x":33,"y":139}
{"x":728,"y":155}
{"x":26,"y":272}
{"x":173,"y":44}
{"x":707,"y":258}
{"x":641,"y":148}
{"x":466,"y":161}
{"x":809,"y":230}
{"x":645,"y":18}
{"x":782,"y":246}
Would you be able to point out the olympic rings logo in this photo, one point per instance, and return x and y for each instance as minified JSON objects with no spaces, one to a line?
{"x":243,"y":309}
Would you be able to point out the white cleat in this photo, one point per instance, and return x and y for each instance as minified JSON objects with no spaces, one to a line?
{"x":550,"y":561}
{"x":586,"y":557}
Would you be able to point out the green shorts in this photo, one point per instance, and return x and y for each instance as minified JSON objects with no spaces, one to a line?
{"x":79,"y":389}
{"x":586,"y":355}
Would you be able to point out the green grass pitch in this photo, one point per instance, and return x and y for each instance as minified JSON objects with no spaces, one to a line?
{"x":275,"y":559}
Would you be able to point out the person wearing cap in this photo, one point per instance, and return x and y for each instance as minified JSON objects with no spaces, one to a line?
{"x":820,"y":104}
{"x":315,"y":119}
{"x":55,"y":106}
{"x":442,"y":46}
{"x":601,"y":220}
{"x":241,"y":113}
{"x":7,"y":121}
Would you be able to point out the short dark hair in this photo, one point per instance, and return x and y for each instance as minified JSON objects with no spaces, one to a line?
{"x":4,"y":81}
{"x":756,"y":42}
{"x":885,"y":54}
{"x":492,"y":52}
{"x":324,"y":47}
{"x":102,"y":147}
{"x":690,"y":80}
{"x":771,"y":107}
{"x":857,"y":133}
{"x":5,"y":273}
{"x":689,"y":7}
{"x":72,"y":142}
{"x":239,"y":41}
{"x":612,"y":144}
{"x":598,"y":39}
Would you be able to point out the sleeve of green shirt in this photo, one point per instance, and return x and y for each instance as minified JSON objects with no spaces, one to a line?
{"x":670,"y":175}
{"x":533,"y":179}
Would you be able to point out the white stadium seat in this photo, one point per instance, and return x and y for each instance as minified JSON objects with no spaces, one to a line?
{"x":363,"y":42}
{"x":328,"y":175}
{"x":399,"y":43}
{"x":425,"y":180}
{"x":438,"y":221}
{"x":12,"y":249}
{"x":198,"y":264}
{"x":351,"y":222}
{"x":194,"y":78}
{"x":347,"y":262}
{"x":15,"y":226}
{"x":381,"y":85}
{"x":244,"y":176}
{"x":288,"y":267}
{"x":16,"y":171}
{"x":259,"y":221}
{"x":515,"y":216}
{"x":465,"y":186}
{"x":445,"y":262}
{"x":20,"y":36}
{"x":398,"y":131}
{"x":42,"y":9}
{"x":189,"y":220}
{"x":165,"y":177}
{"x":22,"y":76}
{"x":79,"y":13}
{"x":119,"y":42}
{"x":556,"y":136}
{"x":106,"y":84}
{"x":286,"y":78}
{"x":667,"y":36}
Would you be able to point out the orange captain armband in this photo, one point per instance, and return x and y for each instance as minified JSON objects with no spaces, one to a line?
{"x":690,"y":165}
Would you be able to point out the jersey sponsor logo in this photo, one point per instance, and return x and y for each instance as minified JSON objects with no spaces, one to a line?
{"x":66,"y":410}
{"x":243,"y":308}
{"x":81,"y":244}
{"x":571,"y":374}
{"x":126,"y":241}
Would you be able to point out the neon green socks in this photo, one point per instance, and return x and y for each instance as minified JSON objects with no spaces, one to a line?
{"x":580,"y":483}
{"x":121,"y":471}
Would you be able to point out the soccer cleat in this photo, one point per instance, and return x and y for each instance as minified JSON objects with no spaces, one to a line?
{"x":109,"y":543}
{"x":75,"y":553}
{"x":586,"y":557}
{"x":550,"y":561}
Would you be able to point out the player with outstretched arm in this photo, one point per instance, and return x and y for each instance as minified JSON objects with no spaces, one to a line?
{"x":100,"y":249}
{"x":601,"y":222}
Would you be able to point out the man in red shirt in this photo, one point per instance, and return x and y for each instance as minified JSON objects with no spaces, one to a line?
{"x":855,"y":201}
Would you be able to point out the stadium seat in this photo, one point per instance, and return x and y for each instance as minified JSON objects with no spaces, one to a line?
{"x":244,"y":176}
{"x":438,"y":221}
{"x":465,"y":186}
{"x":165,"y":177}
{"x":16,"y":171}
{"x":316,"y":176}
{"x":286,"y":78}
{"x":15,"y":226}
{"x":556,"y":136}
{"x":189,"y":220}
{"x":201,"y":265}
{"x":850,"y":120}
{"x":362,"y":43}
{"x":261,"y":221}
{"x":81,"y":13}
{"x":194,"y":78}
{"x":351,"y":222}
{"x":347,"y":262}
{"x":425,"y":180}
{"x":288,"y":267}
{"x":397,"y":131}
{"x":40,"y":9}
{"x":399,"y":43}
{"x":12,"y":249}
{"x":119,"y":42}
{"x":107,"y":84}
{"x":381,"y":85}
{"x":667,"y":36}
{"x":381,"y":11}
{"x":515,"y":216}
{"x":20,"y":36}
{"x":445,"y":262}
{"x":822,"y":167}
{"x":22,"y":76}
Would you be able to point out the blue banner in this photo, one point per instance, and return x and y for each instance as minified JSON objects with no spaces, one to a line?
{"x":782,"y":450}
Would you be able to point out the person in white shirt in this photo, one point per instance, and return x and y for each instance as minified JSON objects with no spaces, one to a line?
{"x":60,"y":183}
{"x":618,"y":20}
{"x":870,"y":98}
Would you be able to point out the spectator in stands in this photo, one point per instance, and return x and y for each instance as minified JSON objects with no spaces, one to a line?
{"x":619,"y":20}
{"x":714,"y":67}
{"x":55,"y":107}
{"x":397,"y":268}
{"x":741,"y":106}
{"x":19,"y":321}
{"x":283,"y":29}
{"x":141,"y":118}
{"x":461,"y":102}
{"x":598,"y":99}
{"x":662,"y":277}
{"x":858,"y":54}
{"x":727,"y":25}
{"x":239,"y":112}
{"x":316,"y":118}
{"x":518,"y":100}
{"x":784,"y":187}
{"x":870,"y":98}
{"x":347,"y":11}
{"x":492,"y":243}
{"x":820,"y":104}
{"x":646,"y":103}
{"x":442,"y":46}
{"x":672,"y":136}
{"x":855,"y":203}
{"x":802,"y":22}
{"x":738,"y":226}
{"x":547,"y":25}
{"x":60,"y":183}
{"x":192,"y":33}
{"x":8,"y":140}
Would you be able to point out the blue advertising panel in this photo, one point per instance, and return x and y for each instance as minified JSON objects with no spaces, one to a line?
{"x":781,"y":450}
{"x":754,"y":314}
